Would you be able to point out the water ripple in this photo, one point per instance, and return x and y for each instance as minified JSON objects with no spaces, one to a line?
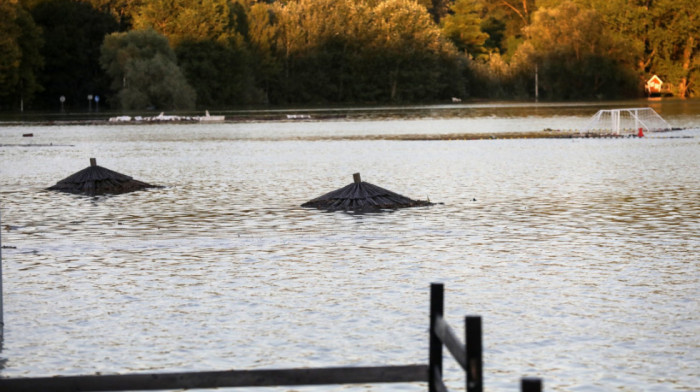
{"x":581,"y":255}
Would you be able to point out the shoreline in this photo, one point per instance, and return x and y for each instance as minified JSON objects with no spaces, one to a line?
{"x":545,"y":134}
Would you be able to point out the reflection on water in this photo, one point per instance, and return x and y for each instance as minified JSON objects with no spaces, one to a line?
{"x":581,"y":255}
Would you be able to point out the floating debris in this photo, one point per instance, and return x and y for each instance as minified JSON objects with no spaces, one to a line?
{"x":162,"y":117}
{"x":363,"y":196}
{"x":97,"y":180}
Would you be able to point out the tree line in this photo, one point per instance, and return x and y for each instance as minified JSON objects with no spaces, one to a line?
{"x":182,"y":54}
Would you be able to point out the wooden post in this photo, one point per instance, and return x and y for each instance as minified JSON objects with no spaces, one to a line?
{"x":472,"y":330}
{"x":356,"y":177}
{"x":2,"y":317}
{"x":93,"y":162}
{"x":531,"y":384}
{"x":437,"y":304}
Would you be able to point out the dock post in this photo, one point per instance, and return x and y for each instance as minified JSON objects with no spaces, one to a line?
{"x":531,"y":384}
{"x":2,"y":311}
{"x":472,"y":339}
{"x":437,"y":304}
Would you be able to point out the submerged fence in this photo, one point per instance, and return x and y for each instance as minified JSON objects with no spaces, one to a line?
{"x":468,"y":355}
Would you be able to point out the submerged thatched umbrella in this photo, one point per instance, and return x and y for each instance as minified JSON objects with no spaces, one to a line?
{"x":362,"y":196}
{"x":97,"y":180}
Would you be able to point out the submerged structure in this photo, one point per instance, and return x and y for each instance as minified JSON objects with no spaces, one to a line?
{"x":97,"y":180}
{"x":626,"y":121}
{"x":362,"y":196}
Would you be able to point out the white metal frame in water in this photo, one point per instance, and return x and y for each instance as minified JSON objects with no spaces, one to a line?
{"x":652,"y":122}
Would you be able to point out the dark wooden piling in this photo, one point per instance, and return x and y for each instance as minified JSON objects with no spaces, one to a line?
{"x":435,"y":355}
{"x":2,"y":311}
{"x":531,"y":384}
{"x":474,"y":370}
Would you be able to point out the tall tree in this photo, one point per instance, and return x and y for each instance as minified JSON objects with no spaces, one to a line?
{"x":409,"y":45}
{"x":507,"y":18}
{"x":463,"y":27}
{"x":144,"y":71}
{"x":193,"y":20}
{"x":220,"y":74}
{"x":661,"y":36}
{"x":577,"y":55}
{"x":121,"y":10}
{"x":261,"y":35}
{"x":73,"y":33}
{"x":21,"y":61}
{"x":674,"y":45}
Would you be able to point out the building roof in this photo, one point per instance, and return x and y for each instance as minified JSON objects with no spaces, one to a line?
{"x":362,"y":196}
{"x":654,"y":79}
{"x":97,"y":180}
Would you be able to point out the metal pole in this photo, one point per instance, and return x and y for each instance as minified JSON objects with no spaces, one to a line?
{"x":437,"y":308}
{"x":537,"y":84}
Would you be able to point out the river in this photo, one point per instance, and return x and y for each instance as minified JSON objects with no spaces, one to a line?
{"x":581,"y":255}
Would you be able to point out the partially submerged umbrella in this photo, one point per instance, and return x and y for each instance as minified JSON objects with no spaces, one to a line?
{"x":362,"y":196}
{"x":97,"y":180}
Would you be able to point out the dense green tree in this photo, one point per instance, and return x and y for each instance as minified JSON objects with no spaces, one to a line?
{"x":21,"y":61}
{"x":509,"y":18}
{"x":122,"y":10}
{"x":675,"y":38}
{"x":323,"y":51}
{"x":221,"y":75}
{"x":576,"y":55}
{"x":144,"y":72}
{"x":408,"y":48}
{"x":463,"y":27}
{"x":438,"y":9}
{"x":660,"y":35}
{"x":319,"y":45}
{"x":261,"y":34}
{"x":208,"y":36}
{"x":193,"y":20}
{"x":495,"y":31}
{"x":350,"y":51}
{"x":73,"y":33}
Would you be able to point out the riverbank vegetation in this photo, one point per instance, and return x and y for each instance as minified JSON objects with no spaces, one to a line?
{"x":178,"y":54}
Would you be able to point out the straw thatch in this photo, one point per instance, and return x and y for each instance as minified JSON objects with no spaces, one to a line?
{"x":362,"y":196}
{"x":97,"y":180}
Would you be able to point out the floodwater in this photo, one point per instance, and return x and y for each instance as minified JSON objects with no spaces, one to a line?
{"x":581,"y":255}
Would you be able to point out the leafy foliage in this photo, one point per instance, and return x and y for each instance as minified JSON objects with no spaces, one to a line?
{"x":144,"y":72}
{"x":20,"y":41}
{"x":73,"y":32}
{"x":239,"y":52}
{"x":221,"y":75}
{"x":463,"y":27}
{"x":586,"y":60}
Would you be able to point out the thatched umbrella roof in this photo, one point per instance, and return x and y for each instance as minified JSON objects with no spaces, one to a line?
{"x":97,"y":180}
{"x":362,"y":196}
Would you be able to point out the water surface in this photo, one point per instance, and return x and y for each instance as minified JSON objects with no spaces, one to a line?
{"x":580,"y":255}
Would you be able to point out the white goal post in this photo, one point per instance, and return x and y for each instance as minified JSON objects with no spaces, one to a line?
{"x":626,"y":121}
